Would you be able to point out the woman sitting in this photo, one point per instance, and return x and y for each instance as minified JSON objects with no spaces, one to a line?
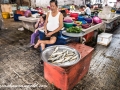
{"x":53,"y":24}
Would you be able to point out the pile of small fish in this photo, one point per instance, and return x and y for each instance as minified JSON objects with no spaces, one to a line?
{"x":59,"y":57}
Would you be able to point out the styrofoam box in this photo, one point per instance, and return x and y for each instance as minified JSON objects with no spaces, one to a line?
{"x":104,"y":38}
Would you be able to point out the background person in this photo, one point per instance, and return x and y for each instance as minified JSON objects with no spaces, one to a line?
{"x":87,"y":10}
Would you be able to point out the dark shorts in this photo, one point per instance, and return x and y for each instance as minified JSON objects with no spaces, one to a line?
{"x":48,"y":38}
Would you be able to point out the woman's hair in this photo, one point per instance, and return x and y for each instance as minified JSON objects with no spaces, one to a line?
{"x":43,"y":16}
{"x":55,"y":1}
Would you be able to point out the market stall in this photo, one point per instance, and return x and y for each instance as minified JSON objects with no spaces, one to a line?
{"x":28,"y":22}
{"x":66,"y":65}
{"x":113,"y":22}
{"x":84,"y":31}
{"x":109,"y":16}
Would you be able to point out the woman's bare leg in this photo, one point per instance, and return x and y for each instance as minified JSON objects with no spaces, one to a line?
{"x":37,"y":44}
{"x":51,"y":41}
{"x":42,"y":46}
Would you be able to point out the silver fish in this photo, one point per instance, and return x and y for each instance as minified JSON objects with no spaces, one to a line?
{"x":70,"y":54}
{"x":67,"y":52}
{"x":64,"y":55}
{"x":67,"y":59}
{"x":58,"y":61}
{"x":72,"y":60}
{"x":54,"y":59}
{"x":55,"y":54}
{"x":75,"y":57}
{"x":56,"y":49}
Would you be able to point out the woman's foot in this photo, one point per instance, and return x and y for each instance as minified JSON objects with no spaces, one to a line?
{"x":36,"y":45}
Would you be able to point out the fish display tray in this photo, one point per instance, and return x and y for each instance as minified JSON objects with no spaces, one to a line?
{"x":46,"y":53}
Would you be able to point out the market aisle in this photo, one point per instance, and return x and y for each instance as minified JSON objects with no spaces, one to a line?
{"x":104,"y":73}
{"x":19,"y":66}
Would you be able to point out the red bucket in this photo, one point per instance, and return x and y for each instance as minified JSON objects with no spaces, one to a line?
{"x":75,"y":15}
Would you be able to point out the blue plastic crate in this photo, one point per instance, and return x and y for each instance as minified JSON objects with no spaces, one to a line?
{"x":81,"y":18}
{"x":16,"y":17}
{"x":34,"y":12}
{"x":118,"y":11}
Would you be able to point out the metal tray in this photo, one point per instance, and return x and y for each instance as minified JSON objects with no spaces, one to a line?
{"x":47,"y":52}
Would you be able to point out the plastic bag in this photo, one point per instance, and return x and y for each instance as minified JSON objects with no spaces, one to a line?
{"x":106,"y":9}
{"x":106,"y":13}
{"x":96,"y":20}
{"x":106,"y":16}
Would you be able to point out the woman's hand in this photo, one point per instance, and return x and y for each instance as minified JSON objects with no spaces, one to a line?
{"x":49,"y":34}
{"x":45,"y":31}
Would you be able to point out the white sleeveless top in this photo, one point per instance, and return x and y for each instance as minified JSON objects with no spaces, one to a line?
{"x":53,"y":22}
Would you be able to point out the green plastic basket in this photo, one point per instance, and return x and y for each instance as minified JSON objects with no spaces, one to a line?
{"x":68,"y":25}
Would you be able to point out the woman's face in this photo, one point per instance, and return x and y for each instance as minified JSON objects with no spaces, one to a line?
{"x":53,"y":7}
{"x":41,"y":19}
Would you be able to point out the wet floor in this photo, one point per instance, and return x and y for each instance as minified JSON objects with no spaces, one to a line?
{"x":20,"y":65}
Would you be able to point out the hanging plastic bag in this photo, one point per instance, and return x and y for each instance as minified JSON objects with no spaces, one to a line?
{"x":106,"y":16}
{"x":106,"y":13}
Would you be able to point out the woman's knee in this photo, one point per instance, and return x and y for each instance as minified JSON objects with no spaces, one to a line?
{"x":42,"y":44}
{"x":52,"y":41}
